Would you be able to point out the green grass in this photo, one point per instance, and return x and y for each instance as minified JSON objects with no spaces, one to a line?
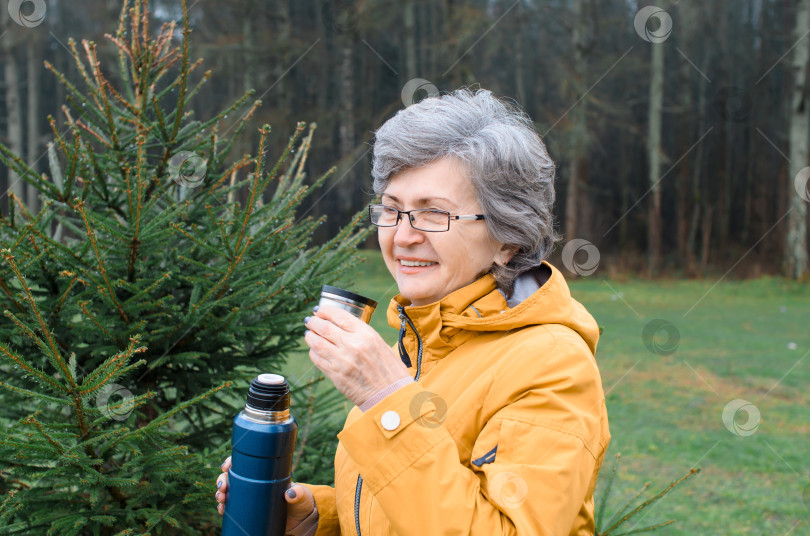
{"x":666,"y":410}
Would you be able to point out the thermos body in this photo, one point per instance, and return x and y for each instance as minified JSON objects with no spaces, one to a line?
{"x":260,"y":473}
{"x":263,"y":443}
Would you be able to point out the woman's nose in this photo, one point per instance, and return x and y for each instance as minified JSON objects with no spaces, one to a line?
{"x":406,"y":234}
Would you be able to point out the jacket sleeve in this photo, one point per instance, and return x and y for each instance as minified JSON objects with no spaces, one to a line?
{"x":548,"y":439}
{"x":325,"y":503}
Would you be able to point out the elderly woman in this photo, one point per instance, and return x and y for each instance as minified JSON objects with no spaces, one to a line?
{"x":488,"y":416}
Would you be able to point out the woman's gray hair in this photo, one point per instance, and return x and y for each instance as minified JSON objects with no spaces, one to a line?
{"x":495,"y":141}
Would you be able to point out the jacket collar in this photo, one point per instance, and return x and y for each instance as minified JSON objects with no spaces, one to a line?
{"x":479,"y":308}
{"x":479,"y":298}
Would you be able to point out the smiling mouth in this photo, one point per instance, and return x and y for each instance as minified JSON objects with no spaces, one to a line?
{"x":403,"y":262}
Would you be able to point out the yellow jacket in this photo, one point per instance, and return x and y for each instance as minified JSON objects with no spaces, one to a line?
{"x":503,"y":432}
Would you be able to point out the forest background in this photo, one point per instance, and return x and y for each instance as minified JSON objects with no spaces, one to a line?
{"x":679,"y":129}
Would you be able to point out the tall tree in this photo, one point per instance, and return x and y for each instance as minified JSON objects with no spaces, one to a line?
{"x":654,"y":157}
{"x":578,"y":141}
{"x":687,"y":17}
{"x":12,"y":36}
{"x":347,"y":37}
{"x":796,"y":246}
{"x":410,"y":39}
{"x":34,"y":62}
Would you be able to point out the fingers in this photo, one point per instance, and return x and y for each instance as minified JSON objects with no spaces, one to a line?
{"x":342,"y":319}
{"x":300,"y":502}
{"x":221,"y":494}
{"x":335,"y":326}
{"x":222,"y":483}
{"x":323,"y":328}
{"x":321,"y":337}
{"x":221,"y":497}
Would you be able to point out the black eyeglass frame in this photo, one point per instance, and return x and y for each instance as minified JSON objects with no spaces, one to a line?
{"x":474,"y":217}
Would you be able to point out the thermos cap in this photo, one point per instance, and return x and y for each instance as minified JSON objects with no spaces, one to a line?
{"x":270,"y":379}
{"x":269,"y":392}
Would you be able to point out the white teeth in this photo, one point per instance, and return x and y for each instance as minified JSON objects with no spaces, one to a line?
{"x":416,"y":263}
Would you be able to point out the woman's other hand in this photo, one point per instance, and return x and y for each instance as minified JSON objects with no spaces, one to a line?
{"x":300,"y":501}
{"x":351,"y":354}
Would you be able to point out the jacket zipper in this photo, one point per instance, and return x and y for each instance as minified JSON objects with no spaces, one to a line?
{"x":404,"y":316}
{"x":357,"y":504}
{"x":359,"y":488}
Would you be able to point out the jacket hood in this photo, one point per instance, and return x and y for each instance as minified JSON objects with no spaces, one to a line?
{"x":480,"y":307}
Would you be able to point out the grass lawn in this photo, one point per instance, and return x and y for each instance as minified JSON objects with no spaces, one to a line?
{"x":747,"y":340}
{"x":744,"y":340}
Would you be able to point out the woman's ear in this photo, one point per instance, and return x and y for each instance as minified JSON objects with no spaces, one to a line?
{"x":505,"y":254}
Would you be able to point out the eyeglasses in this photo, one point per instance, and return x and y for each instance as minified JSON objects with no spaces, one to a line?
{"x":423,"y":219}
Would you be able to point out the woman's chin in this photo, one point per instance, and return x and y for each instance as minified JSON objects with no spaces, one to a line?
{"x":416,"y":295}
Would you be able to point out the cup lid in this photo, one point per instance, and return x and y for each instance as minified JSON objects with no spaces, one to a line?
{"x":350,"y":295}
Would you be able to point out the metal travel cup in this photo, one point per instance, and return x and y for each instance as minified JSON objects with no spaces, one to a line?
{"x":263,"y":442}
{"x":358,"y":305}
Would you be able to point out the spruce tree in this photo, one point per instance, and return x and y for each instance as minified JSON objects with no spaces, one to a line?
{"x":159,"y":276}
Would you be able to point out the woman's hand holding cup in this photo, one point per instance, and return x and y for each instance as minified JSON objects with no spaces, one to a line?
{"x":351,"y":354}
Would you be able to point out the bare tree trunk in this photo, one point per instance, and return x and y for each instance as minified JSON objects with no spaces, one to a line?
{"x":249,"y":57}
{"x":518,"y":43}
{"x":688,"y":15}
{"x":454,"y":33}
{"x":578,"y":129}
{"x":624,"y":182}
{"x":285,"y":90}
{"x":410,"y":40}
{"x":725,"y":132}
{"x":750,"y":164}
{"x":694,"y":219}
{"x":346,"y":124}
{"x":796,"y":243}
{"x":706,"y":237}
{"x":654,"y":158}
{"x":325,"y":60}
{"x":751,"y":183}
{"x":14,"y":125}
{"x":33,"y":120}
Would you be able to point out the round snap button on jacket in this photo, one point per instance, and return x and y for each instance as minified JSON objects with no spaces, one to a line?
{"x":390,"y":420}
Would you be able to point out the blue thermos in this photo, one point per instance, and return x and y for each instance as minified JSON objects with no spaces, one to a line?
{"x":263,"y":442}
